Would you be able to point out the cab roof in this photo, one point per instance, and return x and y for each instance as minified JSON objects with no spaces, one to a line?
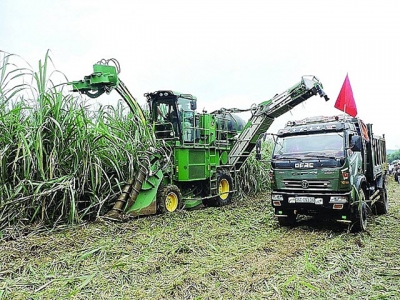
{"x":167,"y":93}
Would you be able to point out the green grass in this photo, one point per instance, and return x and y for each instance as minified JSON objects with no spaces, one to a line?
{"x":233,"y":252}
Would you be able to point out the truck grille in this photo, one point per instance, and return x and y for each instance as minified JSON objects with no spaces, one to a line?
{"x":306,"y":184}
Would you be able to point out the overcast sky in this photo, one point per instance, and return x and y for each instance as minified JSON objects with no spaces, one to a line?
{"x":227,"y":53}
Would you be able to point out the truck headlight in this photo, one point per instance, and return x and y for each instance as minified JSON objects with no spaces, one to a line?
{"x":338,"y":199}
{"x":277,"y":197}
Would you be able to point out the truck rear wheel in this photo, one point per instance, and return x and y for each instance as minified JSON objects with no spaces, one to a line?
{"x":169,"y":199}
{"x":290,"y":220}
{"x":382,"y":205}
{"x":360,"y":214}
{"x":224,"y":190}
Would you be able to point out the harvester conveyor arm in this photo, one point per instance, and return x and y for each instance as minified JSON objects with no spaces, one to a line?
{"x":265,"y":113}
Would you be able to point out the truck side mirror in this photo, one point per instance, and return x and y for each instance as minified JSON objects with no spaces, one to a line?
{"x":356,"y":144}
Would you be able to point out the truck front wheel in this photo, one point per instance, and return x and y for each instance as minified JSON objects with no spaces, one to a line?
{"x":360,"y":213}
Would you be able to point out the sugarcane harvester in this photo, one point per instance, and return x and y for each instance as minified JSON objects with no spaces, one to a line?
{"x":196,"y":155}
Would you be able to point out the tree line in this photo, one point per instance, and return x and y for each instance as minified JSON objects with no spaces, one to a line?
{"x":393,"y":156}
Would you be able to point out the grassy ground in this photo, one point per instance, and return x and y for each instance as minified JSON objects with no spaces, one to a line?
{"x":234,"y":252}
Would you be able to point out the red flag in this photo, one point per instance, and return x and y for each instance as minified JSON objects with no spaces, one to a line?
{"x":345,"y":100}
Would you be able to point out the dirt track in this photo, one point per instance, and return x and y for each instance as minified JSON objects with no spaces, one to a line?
{"x":233,"y":252}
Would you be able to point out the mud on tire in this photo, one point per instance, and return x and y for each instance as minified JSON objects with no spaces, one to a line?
{"x":382,"y":205}
{"x":360,"y":214}
{"x":169,"y":199}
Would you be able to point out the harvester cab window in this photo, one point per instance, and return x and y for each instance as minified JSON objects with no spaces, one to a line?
{"x":187,"y":116}
{"x":166,"y":119}
{"x":162,"y":110}
{"x":172,"y":117}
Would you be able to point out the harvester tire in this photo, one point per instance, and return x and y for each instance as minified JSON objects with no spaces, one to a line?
{"x":224,"y":190}
{"x":169,"y":199}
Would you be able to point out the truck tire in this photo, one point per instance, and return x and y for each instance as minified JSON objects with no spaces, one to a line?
{"x":224,"y":190}
{"x":382,"y":205}
{"x":290,"y":220}
{"x":360,"y":214}
{"x":169,"y":199}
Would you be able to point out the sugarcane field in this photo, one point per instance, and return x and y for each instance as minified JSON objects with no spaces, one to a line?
{"x":164,"y":200}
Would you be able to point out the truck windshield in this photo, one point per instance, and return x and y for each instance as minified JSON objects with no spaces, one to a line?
{"x":315,"y":145}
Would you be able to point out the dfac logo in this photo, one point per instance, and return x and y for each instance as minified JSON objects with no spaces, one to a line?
{"x":304,"y":184}
{"x":302,"y":165}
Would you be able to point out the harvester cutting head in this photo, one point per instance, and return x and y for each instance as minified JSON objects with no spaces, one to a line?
{"x":103,"y":79}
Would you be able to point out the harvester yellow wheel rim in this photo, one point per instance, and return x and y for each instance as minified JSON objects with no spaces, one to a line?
{"x":223,"y":189}
{"x":171,"y":202}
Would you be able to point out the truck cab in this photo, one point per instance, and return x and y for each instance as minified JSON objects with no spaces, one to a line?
{"x":328,"y":165}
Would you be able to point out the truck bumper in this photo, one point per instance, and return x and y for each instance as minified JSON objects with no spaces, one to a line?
{"x":337,"y":205}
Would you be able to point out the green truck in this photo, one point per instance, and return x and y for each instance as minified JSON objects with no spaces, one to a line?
{"x":196,"y":154}
{"x":334,"y":166}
